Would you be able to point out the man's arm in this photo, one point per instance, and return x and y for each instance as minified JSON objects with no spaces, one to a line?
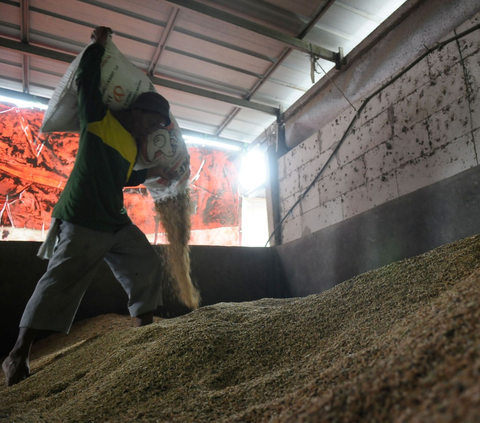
{"x":136,"y":178}
{"x":90,"y":103}
{"x":140,"y":176}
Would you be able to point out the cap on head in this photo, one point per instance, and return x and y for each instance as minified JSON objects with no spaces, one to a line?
{"x":153,"y":102}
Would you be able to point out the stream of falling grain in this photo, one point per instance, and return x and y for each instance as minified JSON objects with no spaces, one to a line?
{"x":175,"y":216}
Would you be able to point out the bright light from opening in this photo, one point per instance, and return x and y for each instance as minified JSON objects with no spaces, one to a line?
{"x":210,"y":143}
{"x":22,"y":103}
{"x":389,"y":8}
{"x":253,"y":172}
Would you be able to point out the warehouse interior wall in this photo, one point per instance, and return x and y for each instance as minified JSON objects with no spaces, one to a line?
{"x":403,"y":181}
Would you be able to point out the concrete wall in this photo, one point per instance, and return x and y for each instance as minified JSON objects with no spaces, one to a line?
{"x":407,"y":226}
{"x":422,"y":129}
{"x":223,"y":274}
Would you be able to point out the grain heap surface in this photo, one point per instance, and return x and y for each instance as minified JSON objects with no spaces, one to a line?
{"x":398,"y":344}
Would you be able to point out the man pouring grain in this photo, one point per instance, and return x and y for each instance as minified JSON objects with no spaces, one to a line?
{"x":90,"y":221}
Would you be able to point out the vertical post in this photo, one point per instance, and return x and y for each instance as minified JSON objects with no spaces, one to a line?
{"x":340,"y":59}
{"x":273,"y":196}
{"x":25,"y":35}
{"x":273,"y":153}
{"x":240,"y":220}
{"x":281,"y":142}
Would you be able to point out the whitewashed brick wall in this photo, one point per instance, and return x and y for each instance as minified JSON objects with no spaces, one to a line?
{"x":422,"y":129}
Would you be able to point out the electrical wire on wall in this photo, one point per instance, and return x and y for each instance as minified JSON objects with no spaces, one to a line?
{"x":428,"y":51}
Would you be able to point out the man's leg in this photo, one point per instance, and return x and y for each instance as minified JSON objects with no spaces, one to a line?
{"x":16,"y":365}
{"x":57,"y":295}
{"x":56,"y":298}
{"x":137,"y":267}
{"x":144,"y":319}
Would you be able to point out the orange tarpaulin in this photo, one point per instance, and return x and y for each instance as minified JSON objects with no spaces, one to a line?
{"x":34,"y":168}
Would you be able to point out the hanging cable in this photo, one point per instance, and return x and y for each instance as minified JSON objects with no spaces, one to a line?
{"x":315,"y":62}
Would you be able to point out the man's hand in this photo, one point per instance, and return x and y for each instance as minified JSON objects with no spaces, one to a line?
{"x":100,"y":35}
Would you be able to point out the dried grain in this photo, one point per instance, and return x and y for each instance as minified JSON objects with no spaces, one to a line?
{"x":174,"y":213}
{"x":398,"y":344}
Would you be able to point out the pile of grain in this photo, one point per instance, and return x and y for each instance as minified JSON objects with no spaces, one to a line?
{"x":399,"y":344}
{"x":174,"y":213}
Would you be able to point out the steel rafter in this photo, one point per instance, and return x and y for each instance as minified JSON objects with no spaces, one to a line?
{"x":163,"y":41}
{"x":24,"y":36}
{"x":23,"y":96}
{"x":293,"y":42}
{"x":142,"y":18}
{"x":32,"y":50}
{"x":319,"y":13}
{"x":159,"y":46}
{"x":185,"y":31}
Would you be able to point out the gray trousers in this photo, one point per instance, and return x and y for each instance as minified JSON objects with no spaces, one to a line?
{"x":77,"y":256}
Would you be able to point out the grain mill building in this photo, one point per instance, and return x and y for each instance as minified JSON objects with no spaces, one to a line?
{"x":366,"y":114}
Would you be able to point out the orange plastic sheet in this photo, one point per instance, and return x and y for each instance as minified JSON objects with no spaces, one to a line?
{"x":34,"y":168}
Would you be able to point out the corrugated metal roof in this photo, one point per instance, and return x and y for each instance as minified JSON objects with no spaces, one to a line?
{"x":190,"y":47}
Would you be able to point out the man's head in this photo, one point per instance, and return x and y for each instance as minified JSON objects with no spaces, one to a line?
{"x":150,"y":112}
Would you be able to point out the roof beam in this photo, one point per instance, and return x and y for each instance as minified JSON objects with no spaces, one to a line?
{"x":88,"y":25}
{"x":24,"y":36}
{"x":25,"y":20}
{"x":25,"y":73}
{"x":32,"y":50}
{"x":185,"y":31}
{"x":211,"y":137}
{"x":293,"y":42}
{"x":359,"y":12}
{"x":317,"y":16}
{"x":142,"y":19}
{"x":68,"y":58}
{"x":23,"y":96}
{"x":214,"y":95}
{"x":308,"y":27}
{"x":163,"y":41}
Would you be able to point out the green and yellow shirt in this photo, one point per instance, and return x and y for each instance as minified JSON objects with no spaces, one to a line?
{"x":93,"y":195}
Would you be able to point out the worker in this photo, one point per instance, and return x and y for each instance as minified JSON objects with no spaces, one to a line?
{"x":90,"y":223}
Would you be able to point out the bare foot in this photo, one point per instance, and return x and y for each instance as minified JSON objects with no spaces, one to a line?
{"x":144,"y":319}
{"x":16,"y":369}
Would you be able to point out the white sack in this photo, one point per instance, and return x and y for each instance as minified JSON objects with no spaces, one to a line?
{"x":121,"y":83}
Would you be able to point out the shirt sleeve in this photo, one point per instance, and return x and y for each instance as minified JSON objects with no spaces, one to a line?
{"x":136,"y":178}
{"x":90,"y":103}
